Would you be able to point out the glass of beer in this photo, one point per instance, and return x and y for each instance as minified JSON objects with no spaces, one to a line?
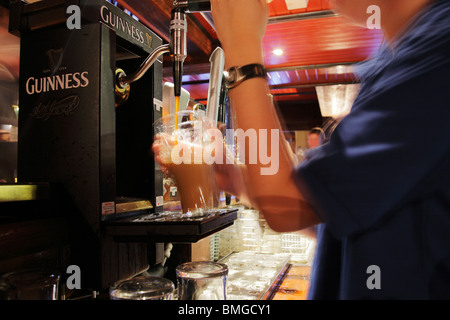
{"x":182,"y":138}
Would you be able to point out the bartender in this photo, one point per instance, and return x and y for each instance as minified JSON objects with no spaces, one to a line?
{"x":381,"y":185}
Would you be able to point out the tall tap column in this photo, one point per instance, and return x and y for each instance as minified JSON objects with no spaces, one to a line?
{"x":178,"y":46}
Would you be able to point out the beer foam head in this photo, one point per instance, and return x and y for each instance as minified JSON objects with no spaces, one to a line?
{"x":182,"y":136}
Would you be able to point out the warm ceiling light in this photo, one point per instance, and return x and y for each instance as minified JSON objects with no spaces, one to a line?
{"x":340,"y":69}
{"x":336,"y":100}
{"x":296,"y":4}
{"x":278,"y":52}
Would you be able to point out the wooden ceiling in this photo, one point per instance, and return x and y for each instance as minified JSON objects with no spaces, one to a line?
{"x":319,"y":47}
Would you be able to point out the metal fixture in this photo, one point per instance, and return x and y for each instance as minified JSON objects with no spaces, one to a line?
{"x":177,"y":49}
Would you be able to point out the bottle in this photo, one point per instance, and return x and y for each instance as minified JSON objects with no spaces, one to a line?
{"x":193,"y":5}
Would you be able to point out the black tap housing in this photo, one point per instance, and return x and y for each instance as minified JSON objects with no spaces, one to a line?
{"x":193,"y":5}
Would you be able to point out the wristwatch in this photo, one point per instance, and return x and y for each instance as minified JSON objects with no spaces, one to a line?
{"x":236,"y":75}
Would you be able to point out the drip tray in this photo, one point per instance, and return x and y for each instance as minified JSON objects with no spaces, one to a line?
{"x":171,"y":226}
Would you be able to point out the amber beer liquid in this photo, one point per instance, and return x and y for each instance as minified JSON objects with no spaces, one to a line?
{"x":196,"y":185}
{"x":195,"y":180}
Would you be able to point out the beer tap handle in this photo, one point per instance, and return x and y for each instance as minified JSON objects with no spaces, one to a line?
{"x":178,"y":46}
{"x":217,"y":60}
{"x":178,"y":52}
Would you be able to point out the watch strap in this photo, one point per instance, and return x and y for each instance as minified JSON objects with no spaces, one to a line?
{"x":237,"y":75}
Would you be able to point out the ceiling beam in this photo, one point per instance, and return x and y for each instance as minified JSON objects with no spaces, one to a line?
{"x":149,"y":15}
{"x":202,"y":68}
{"x":313,"y":66}
{"x":303,"y":16}
{"x":309,"y":85}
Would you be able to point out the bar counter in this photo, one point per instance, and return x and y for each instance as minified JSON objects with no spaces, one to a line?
{"x":295,"y":285}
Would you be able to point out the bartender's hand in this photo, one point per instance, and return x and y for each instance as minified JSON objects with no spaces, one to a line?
{"x":231,"y":177}
{"x":240,"y":26}
{"x":159,"y":143}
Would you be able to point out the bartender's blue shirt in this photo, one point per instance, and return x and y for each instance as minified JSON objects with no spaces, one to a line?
{"x":382,"y":183}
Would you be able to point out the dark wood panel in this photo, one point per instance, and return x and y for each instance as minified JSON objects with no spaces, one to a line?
{"x":31,"y":236}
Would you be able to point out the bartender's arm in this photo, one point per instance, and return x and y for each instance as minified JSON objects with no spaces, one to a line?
{"x":240,"y":26}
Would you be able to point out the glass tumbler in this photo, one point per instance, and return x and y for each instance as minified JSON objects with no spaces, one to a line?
{"x":142,"y":288}
{"x":202,"y":280}
{"x":30,"y":284}
{"x":182,"y":139}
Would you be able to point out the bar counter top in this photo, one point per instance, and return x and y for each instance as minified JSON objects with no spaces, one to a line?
{"x":295,"y":285}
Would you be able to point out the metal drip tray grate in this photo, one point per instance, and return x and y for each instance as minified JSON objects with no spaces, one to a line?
{"x":176,"y":216}
{"x":171,"y":226}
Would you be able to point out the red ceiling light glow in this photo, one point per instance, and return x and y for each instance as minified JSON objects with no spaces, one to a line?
{"x":278,"y":52}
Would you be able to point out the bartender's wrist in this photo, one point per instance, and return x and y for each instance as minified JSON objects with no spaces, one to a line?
{"x":243,"y":57}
